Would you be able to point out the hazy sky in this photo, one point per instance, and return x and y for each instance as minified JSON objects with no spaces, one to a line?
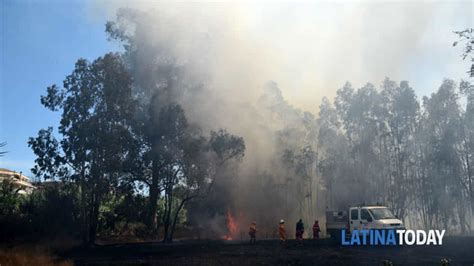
{"x":309,"y":49}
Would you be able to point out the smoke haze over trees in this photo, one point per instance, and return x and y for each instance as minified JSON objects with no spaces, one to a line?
{"x":152,"y":137}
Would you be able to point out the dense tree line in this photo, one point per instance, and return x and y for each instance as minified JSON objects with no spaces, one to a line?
{"x":383,"y":145}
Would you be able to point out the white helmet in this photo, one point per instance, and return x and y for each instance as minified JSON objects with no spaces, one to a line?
{"x":282,"y":221}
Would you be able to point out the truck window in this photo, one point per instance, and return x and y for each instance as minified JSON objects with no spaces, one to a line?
{"x":355,"y":214}
{"x":364,"y":214}
{"x":382,"y":213}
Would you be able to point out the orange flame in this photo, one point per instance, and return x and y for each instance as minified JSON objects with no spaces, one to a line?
{"x":232,"y":226}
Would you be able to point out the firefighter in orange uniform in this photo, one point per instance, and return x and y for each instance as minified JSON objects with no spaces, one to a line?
{"x":316,"y":230}
{"x":282,"y":232}
{"x":253,"y":232}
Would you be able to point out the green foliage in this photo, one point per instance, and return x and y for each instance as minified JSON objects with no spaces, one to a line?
{"x":227,"y":146}
{"x":95,"y":133}
{"x":182,"y":216}
{"x":49,"y":164}
{"x":50,"y":210}
{"x":118,"y":213}
{"x":54,"y":209}
{"x":10,"y":199}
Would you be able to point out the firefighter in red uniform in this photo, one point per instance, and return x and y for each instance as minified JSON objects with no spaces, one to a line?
{"x":316,"y":230}
{"x":253,"y":232}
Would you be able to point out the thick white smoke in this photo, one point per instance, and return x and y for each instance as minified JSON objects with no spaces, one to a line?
{"x":309,"y":49}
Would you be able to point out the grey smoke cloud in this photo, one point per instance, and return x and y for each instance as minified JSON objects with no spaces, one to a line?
{"x":309,"y":49}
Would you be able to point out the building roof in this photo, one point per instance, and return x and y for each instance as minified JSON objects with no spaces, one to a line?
{"x":18,"y":175}
{"x":17,"y":178}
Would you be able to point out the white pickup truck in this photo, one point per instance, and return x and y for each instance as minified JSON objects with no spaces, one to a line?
{"x":361,"y":218}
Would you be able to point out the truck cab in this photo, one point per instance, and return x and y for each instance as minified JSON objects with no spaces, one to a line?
{"x":373,"y":217}
{"x":361,"y":218}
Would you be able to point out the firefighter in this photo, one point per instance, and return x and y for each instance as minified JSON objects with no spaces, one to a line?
{"x":299,"y":231}
{"x":253,"y":232}
{"x":282,"y":232}
{"x":316,"y":230}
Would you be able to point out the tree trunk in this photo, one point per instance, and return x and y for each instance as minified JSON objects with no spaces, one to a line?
{"x":84,"y":216}
{"x":154,"y":192}
{"x":178,"y":210}
{"x":94,"y":218}
{"x":469,"y":181}
{"x":167,"y":218}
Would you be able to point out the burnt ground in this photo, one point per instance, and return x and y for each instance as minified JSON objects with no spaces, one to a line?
{"x":458,"y":250}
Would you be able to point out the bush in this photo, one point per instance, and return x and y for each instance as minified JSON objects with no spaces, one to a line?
{"x":48,"y":211}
